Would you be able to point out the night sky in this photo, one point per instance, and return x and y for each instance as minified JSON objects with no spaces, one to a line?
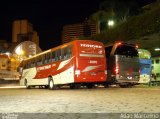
{"x":47,"y":16}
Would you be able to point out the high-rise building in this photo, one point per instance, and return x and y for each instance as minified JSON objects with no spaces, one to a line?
{"x":3,"y":46}
{"x":78,"y":31}
{"x":25,"y":40}
{"x":22,"y":30}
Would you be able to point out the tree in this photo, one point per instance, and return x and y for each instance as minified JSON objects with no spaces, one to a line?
{"x":120,"y":9}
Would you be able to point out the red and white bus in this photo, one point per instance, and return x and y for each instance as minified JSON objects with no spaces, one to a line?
{"x":80,"y":62}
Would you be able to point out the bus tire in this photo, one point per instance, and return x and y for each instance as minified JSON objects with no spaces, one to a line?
{"x":51,"y":83}
{"x":26,"y":84}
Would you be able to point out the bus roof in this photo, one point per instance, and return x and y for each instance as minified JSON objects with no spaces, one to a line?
{"x":60,"y":46}
{"x":120,"y":43}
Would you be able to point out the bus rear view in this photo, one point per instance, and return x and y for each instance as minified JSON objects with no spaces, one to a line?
{"x":122,"y":64}
{"x":90,"y":67}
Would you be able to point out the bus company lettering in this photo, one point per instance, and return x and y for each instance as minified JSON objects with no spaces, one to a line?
{"x":90,"y":46}
{"x":44,"y":67}
{"x":93,"y":62}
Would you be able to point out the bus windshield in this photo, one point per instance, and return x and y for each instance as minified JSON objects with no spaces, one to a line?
{"x":126,"y":51}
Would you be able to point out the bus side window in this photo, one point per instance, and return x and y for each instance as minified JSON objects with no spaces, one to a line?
{"x":39,"y":61}
{"x":53,"y":56}
{"x":64,"y":53}
{"x":58,"y":55}
{"x":28,"y":64}
{"x":49,"y":57}
{"x":24,"y":65}
{"x":32,"y":63}
{"x":36,"y":61}
{"x":46,"y":58}
{"x":69,"y":52}
{"x":43,"y":59}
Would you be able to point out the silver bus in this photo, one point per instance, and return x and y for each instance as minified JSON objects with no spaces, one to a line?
{"x":122,"y":64}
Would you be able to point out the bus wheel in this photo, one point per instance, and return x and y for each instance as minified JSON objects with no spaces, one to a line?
{"x":26,"y":84}
{"x":51,"y":83}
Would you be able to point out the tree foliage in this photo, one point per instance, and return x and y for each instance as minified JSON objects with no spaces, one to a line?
{"x":118,"y":9}
{"x":134,"y":28}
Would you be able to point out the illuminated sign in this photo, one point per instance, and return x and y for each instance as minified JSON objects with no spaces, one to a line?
{"x":90,"y":46}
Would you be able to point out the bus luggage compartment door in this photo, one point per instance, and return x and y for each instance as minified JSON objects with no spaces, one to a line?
{"x":90,"y":70}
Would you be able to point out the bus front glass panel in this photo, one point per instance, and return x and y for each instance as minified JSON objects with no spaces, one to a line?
{"x":125,"y":50}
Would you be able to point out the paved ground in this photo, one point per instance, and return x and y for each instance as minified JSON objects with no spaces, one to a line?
{"x":101,"y":100}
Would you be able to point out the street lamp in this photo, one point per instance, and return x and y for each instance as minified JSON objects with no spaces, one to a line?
{"x":110,"y":23}
{"x":157,"y":49}
{"x":19,"y":51}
